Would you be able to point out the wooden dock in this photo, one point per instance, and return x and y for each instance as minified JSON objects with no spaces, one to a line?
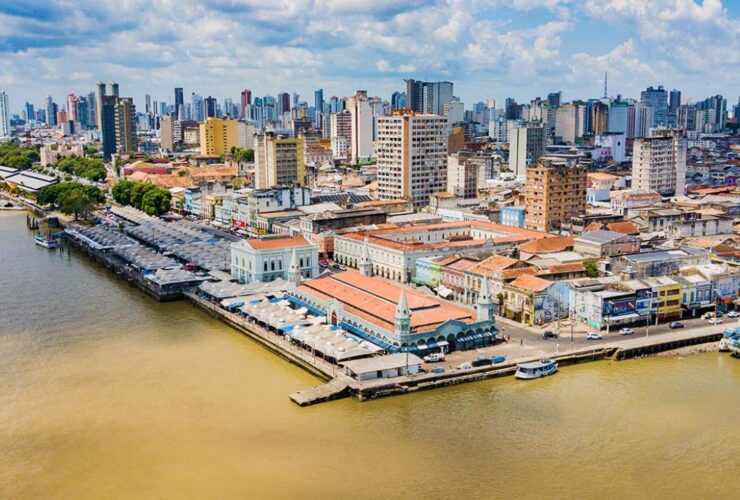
{"x":335,"y":389}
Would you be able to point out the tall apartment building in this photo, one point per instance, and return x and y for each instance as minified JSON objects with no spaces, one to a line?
{"x":600,"y":118}
{"x":341,"y":134}
{"x":467,"y":171}
{"x":166,"y":134}
{"x":659,"y":163}
{"x":279,"y":161}
{"x":569,"y":121}
{"x":4,"y":115}
{"x":618,"y":117}
{"x":218,"y":136}
{"x":411,"y":156}
{"x":658,"y":100}
{"x":526,"y":145}
{"x":644,"y":118}
{"x":428,"y":97}
{"x":124,"y":113}
{"x":99,"y":94}
{"x":361,"y":113}
{"x":555,"y":192}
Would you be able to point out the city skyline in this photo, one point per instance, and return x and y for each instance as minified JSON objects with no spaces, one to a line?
{"x":489,"y":50}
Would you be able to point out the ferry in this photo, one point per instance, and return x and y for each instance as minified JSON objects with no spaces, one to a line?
{"x":46,"y":241}
{"x":537,"y":369}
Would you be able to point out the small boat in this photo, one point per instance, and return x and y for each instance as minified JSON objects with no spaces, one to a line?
{"x":435,"y":357}
{"x":46,"y":241}
{"x":537,"y":369}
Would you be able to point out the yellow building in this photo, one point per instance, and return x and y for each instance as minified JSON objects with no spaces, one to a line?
{"x":279,"y":161}
{"x":218,"y":136}
{"x":669,"y":297}
{"x":555,"y":192}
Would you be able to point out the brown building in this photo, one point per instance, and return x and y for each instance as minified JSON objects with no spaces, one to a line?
{"x":600,"y":117}
{"x":555,"y":192}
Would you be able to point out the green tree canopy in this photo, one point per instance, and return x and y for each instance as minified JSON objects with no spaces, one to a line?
{"x":71,"y":197}
{"x":241,"y":154}
{"x":89,"y":168}
{"x":151,"y":199}
{"x":592,"y":269}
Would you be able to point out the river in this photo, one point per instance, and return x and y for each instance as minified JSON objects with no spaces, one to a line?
{"x":105,"y":393}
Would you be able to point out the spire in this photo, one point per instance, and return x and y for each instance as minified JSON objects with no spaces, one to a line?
{"x":606,"y":95}
{"x":294,"y":272}
{"x":402,"y":309}
{"x":485,"y":305}
{"x":403,"y":315}
{"x":484,"y":296}
{"x":366,"y":265}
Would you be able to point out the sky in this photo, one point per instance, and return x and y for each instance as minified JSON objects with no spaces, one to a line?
{"x":490,"y":49}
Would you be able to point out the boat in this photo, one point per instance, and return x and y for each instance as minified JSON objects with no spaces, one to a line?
{"x":536,"y":369}
{"x":45,"y":240}
{"x":730,"y":337}
{"x":435,"y":357}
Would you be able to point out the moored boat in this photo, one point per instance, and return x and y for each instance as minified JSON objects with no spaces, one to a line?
{"x":46,"y":241}
{"x":536,"y":369}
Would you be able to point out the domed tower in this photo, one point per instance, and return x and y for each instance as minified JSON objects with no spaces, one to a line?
{"x":403,"y":315}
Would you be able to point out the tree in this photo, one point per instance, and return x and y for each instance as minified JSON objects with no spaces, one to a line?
{"x":242,"y":154}
{"x":71,"y":197}
{"x":122,"y":192}
{"x":156,"y":201}
{"x":76,"y":202}
{"x":592,"y":269}
{"x":500,"y":299}
{"x":151,"y":199}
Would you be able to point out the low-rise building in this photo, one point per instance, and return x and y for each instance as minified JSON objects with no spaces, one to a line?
{"x":533,"y":301}
{"x":269,"y":259}
{"x":659,"y":262}
{"x":604,"y":243}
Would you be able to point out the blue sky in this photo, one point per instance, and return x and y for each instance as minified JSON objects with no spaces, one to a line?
{"x":490,"y":49}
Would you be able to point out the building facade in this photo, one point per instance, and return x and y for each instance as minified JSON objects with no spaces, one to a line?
{"x":659,"y":163}
{"x":555,"y":192}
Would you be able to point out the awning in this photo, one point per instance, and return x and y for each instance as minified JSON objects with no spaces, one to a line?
{"x":422,"y":347}
{"x":617,"y":319}
{"x":444,"y":292}
{"x":442,"y":343}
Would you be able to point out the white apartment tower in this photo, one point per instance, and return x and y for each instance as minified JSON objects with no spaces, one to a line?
{"x":411,"y":156}
{"x":4,"y":115}
{"x":526,"y":145}
{"x":659,"y":163}
{"x":361,"y":112}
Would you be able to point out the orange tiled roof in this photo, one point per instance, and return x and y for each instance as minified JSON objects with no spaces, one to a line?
{"x":274,"y":243}
{"x":625,"y":227}
{"x":594,"y":226}
{"x":569,"y":267}
{"x":508,"y":274}
{"x":530,"y":283}
{"x":213,"y":172}
{"x":547,"y":245}
{"x":601,"y":176}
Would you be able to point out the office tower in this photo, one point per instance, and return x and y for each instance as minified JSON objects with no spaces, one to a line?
{"x":526,"y":145}
{"x":599,"y":122}
{"x":166,"y":134}
{"x":209,"y":106}
{"x":28,"y":112}
{"x":711,"y":115}
{"x":362,"y":125}
{"x":659,"y":163}
{"x":335,"y":104}
{"x":467,"y":171}
{"x":283,"y":103}
{"x":51,"y":113}
{"x":643,"y":120}
{"x":147,"y":104}
{"x":411,"y":156}
{"x":112,"y":89}
{"x":511,"y":108}
{"x":674,"y":104}
{"x":218,"y":136}
{"x":554,"y":99}
{"x":736,"y":111}
{"x":555,"y":192}
{"x":618,"y":115}
{"x":246,"y":101}
{"x":196,"y":102}
{"x":81,"y":111}
{"x":569,"y":119}
{"x":278,"y":161}
{"x":318,"y":104}
{"x":108,"y":125}
{"x":454,"y":111}
{"x":228,"y":110}
{"x":178,"y":110}
{"x":658,"y":100}
{"x":428,"y":97}
{"x":92,"y":111}
{"x":398,"y":100}
{"x":72,"y":107}
{"x":4,"y":115}
{"x":124,"y":113}
{"x":341,"y":134}
{"x":99,"y":94}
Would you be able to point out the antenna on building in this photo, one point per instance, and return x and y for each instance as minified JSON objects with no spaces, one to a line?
{"x":605,"y":93}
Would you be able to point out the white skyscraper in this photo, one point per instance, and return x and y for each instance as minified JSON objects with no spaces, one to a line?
{"x":659,"y":163}
{"x":362,"y":125}
{"x":411,"y":156}
{"x":526,"y":145}
{"x":4,"y":115}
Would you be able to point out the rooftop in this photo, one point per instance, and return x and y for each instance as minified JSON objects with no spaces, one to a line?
{"x":531,"y":283}
{"x":274,"y":243}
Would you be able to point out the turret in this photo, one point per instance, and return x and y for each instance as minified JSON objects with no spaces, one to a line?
{"x":366,"y":265}
{"x":403,"y":315}
{"x":294,"y":271}
{"x":485,"y":304}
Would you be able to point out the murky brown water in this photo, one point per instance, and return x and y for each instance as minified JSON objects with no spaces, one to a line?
{"x":105,"y":393}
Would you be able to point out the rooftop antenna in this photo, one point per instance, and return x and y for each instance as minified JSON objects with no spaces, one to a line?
{"x":605,"y":93}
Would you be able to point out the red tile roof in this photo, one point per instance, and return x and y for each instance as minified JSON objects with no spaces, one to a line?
{"x":547,"y":245}
{"x":531,"y":283}
{"x":274,"y":243}
{"x":626,"y":227}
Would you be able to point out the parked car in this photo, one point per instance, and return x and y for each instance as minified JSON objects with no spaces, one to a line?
{"x":733,"y":314}
{"x":549,"y":334}
{"x":482,"y":360}
{"x":438,"y":369}
{"x":498,"y":359}
{"x":465,"y":366}
{"x":675,"y":324}
{"x":715,"y":321}
{"x":719,"y":314}
{"x":593,"y":336}
{"x":626,"y":331}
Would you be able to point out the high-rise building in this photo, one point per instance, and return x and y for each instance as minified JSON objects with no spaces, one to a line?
{"x":112,"y":88}
{"x":711,"y":115}
{"x":318,"y":104}
{"x":599,"y":118}
{"x":362,"y":125}
{"x":218,"y":136}
{"x":411,"y":156}
{"x":341,"y":134}
{"x":166,"y":134}
{"x":555,"y":192}
{"x":125,"y":125}
{"x":92,"y":111}
{"x":526,"y":145}
{"x":618,"y":116}
{"x":246,"y":100}
{"x":398,"y":100}
{"x":108,"y":125}
{"x":196,"y":103}
{"x":658,"y":100}
{"x":428,"y":97}
{"x":674,"y":104}
{"x":147,"y":104}
{"x":569,"y":120}
{"x":643,"y":120}
{"x":554,"y":99}
{"x":28,"y":112}
{"x":179,"y":112}
{"x":278,"y":161}
{"x":72,"y":107}
{"x":51,"y":111}
{"x":81,"y":111}
{"x":4,"y":115}
{"x":99,"y":94}
{"x":283,"y":103}
{"x":209,"y":106}
{"x":659,"y":163}
{"x":467,"y":171}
